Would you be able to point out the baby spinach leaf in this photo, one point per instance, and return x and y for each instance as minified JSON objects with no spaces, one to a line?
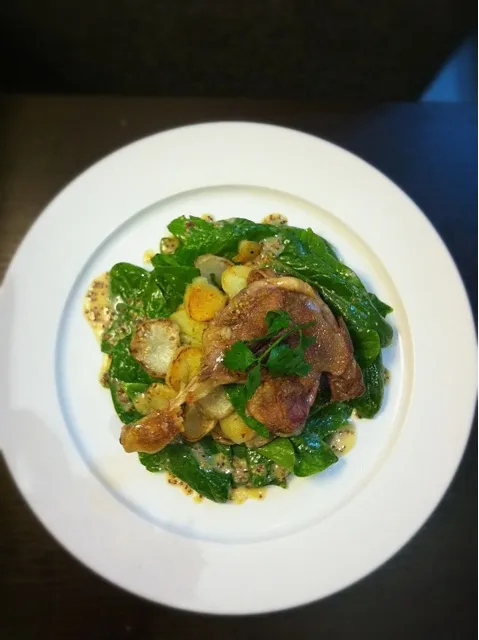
{"x":383,"y":308}
{"x":313,"y":455}
{"x":281,"y":451}
{"x":124,"y":367}
{"x":122,"y":326}
{"x":134,"y":389}
{"x":370,"y":402}
{"x":328,"y":419}
{"x":307,"y":257}
{"x":154,"y":461}
{"x":129,"y":282}
{"x":122,"y":403}
{"x":198,"y":236}
{"x":180,"y":460}
{"x":155,"y":303}
{"x":172,"y":280}
{"x":368,"y":345}
{"x":260,"y":470}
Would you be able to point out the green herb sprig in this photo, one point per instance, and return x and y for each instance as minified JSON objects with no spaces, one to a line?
{"x":278,"y":357}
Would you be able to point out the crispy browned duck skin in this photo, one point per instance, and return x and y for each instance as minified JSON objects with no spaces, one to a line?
{"x":153,"y":432}
{"x":283,"y":403}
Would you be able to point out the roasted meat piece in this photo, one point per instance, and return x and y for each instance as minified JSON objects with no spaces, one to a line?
{"x":283,"y":403}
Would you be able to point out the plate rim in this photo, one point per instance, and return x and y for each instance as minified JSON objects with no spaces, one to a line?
{"x":247,"y":137}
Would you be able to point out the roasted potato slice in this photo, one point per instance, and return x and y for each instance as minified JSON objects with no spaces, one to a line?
{"x":219,"y":436}
{"x":236,"y":429}
{"x":154,"y":344}
{"x":234,"y":279}
{"x":196,"y":424}
{"x":191,"y":331}
{"x":247,"y":251}
{"x":184,"y":367}
{"x":211,"y":267}
{"x":216,"y":404}
{"x":153,"y":432}
{"x":156,"y":397}
{"x":203,"y":300}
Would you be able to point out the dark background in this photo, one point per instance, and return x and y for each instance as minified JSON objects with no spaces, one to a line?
{"x":428,"y":590}
{"x":329,"y":49}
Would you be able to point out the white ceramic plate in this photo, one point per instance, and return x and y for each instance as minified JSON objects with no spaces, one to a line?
{"x":60,"y":433}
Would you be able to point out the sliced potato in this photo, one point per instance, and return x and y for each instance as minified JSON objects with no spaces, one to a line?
{"x":154,"y":344}
{"x":196,"y":424}
{"x":216,"y":404}
{"x":258,"y":441}
{"x":247,"y":251}
{"x":234,"y":279}
{"x":219,"y":436}
{"x":191,"y":331}
{"x":212,"y":267}
{"x":153,"y":432}
{"x":236,"y":429}
{"x":203,"y":300}
{"x":184,"y":367}
{"x":156,"y":397}
{"x":169,"y":245}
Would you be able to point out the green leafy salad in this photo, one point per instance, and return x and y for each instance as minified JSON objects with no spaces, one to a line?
{"x":240,"y":357}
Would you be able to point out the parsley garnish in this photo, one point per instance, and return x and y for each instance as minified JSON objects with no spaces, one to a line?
{"x":278,"y":356}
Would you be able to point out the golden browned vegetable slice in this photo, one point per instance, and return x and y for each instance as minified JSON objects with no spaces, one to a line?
{"x":219,"y":436}
{"x":156,"y":397}
{"x":191,"y":331}
{"x":153,"y":432}
{"x":216,"y":404}
{"x":247,"y":251}
{"x":184,"y":367}
{"x":154,"y":344}
{"x":234,"y":279}
{"x":203,"y":300}
{"x":196,"y":425}
{"x":211,"y":267}
{"x":236,"y":429}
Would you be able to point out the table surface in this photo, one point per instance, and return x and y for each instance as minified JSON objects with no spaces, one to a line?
{"x":430,"y":586}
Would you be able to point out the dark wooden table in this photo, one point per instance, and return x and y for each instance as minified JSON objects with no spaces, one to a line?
{"x":429,"y":588}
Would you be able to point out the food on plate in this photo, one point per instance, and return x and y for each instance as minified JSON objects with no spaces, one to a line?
{"x":240,"y":357}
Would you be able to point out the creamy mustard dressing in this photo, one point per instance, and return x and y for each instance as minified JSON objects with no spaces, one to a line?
{"x":276,"y":219}
{"x":342,"y":441}
{"x":105,"y":367}
{"x":148,"y":255}
{"x":97,"y":307}
{"x":173,"y":480}
{"x":241,"y":494}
